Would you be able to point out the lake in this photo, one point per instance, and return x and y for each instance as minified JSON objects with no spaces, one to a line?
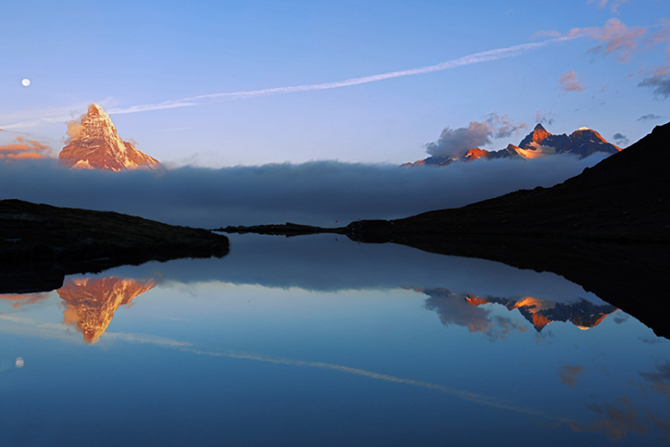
{"x":319,"y":340}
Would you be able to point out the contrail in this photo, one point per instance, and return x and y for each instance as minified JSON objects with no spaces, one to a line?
{"x":476,"y":58}
{"x":23,"y":325}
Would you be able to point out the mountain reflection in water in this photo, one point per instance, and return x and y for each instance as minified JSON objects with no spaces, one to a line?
{"x":329,"y":342}
{"x":465,"y":310}
{"x":91,"y":302}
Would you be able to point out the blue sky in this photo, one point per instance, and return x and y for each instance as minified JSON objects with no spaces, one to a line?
{"x":169,"y":57}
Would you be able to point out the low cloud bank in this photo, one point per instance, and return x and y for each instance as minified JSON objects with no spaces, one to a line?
{"x":318,"y":193}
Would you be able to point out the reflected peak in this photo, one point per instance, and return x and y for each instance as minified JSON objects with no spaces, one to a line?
{"x":91,"y":302}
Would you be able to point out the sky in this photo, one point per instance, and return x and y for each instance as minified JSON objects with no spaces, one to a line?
{"x":220,"y":83}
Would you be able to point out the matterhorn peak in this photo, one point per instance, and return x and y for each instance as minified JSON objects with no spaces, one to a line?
{"x":94,"y":144}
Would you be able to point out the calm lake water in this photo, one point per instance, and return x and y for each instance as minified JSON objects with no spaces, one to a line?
{"x":322,"y":341}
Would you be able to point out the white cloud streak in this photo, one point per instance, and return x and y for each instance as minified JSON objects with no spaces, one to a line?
{"x":476,"y":58}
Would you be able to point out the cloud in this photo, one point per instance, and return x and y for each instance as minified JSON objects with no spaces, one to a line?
{"x":544,"y":118}
{"x":649,"y":117}
{"x":455,"y":309}
{"x":616,"y":422}
{"x":23,"y":299}
{"x":475,"y":58}
{"x":620,"y":139}
{"x":569,"y":375}
{"x":23,"y":149}
{"x":75,"y":128}
{"x":317,"y":193}
{"x":569,"y":83}
{"x":614,"y":37}
{"x":614,"y":4}
{"x":659,"y":82}
{"x":455,"y":143}
{"x":660,"y":379}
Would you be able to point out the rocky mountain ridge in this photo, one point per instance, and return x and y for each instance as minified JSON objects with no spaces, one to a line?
{"x":94,"y":144}
{"x":539,"y":143}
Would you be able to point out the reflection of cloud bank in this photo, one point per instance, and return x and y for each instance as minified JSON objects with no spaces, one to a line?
{"x":316,"y":193}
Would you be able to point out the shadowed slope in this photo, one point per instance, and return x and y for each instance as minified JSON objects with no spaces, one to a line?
{"x":624,"y":197}
{"x":607,"y":229}
{"x":41,"y":243}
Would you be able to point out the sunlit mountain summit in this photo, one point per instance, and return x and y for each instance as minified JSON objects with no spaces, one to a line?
{"x":538,"y":143}
{"x":94,"y":144}
{"x":91,"y":302}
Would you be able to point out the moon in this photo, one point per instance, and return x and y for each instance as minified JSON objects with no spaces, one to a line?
{"x":25,"y":82}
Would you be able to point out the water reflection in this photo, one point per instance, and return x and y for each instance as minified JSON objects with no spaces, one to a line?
{"x":470,"y":311}
{"x":275,"y":333}
{"x":90,"y":303}
{"x":21,"y":299}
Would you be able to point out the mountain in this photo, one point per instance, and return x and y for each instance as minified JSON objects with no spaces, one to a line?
{"x":539,"y":143}
{"x":90,"y":303}
{"x":624,"y":197}
{"x":607,"y":229}
{"x":94,"y":144}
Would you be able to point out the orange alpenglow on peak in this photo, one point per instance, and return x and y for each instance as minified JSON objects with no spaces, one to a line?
{"x":476,"y":153}
{"x":91,"y":302}
{"x":94,"y":144}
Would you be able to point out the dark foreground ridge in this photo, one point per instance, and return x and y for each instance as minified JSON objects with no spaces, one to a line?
{"x":288,"y":229}
{"x":607,"y":229}
{"x":39,"y":244}
{"x":624,"y":198}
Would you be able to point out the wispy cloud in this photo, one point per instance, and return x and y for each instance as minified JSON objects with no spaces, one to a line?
{"x":614,"y":38}
{"x":614,"y":4}
{"x":22,"y":149}
{"x":659,"y":82}
{"x":569,"y":374}
{"x":621,"y":139}
{"x":476,"y":58}
{"x":544,"y":118}
{"x":649,"y":117}
{"x":29,"y":120}
{"x":569,"y":83}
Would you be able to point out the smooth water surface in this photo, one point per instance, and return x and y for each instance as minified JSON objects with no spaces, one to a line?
{"x":322,"y":341}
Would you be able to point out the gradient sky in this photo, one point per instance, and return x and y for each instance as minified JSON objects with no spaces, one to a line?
{"x":158,"y":67}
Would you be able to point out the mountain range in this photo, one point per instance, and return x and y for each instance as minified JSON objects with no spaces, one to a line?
{"x":607,"y":229}
{"x":94,"y":144}
{"x":539,"y":143}
{"x":624,"y":197}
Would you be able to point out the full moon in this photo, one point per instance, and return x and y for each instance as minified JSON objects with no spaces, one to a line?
{"x":25,"y":82}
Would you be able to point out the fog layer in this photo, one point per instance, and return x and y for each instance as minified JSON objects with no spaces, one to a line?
{"x":318,"y":193}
